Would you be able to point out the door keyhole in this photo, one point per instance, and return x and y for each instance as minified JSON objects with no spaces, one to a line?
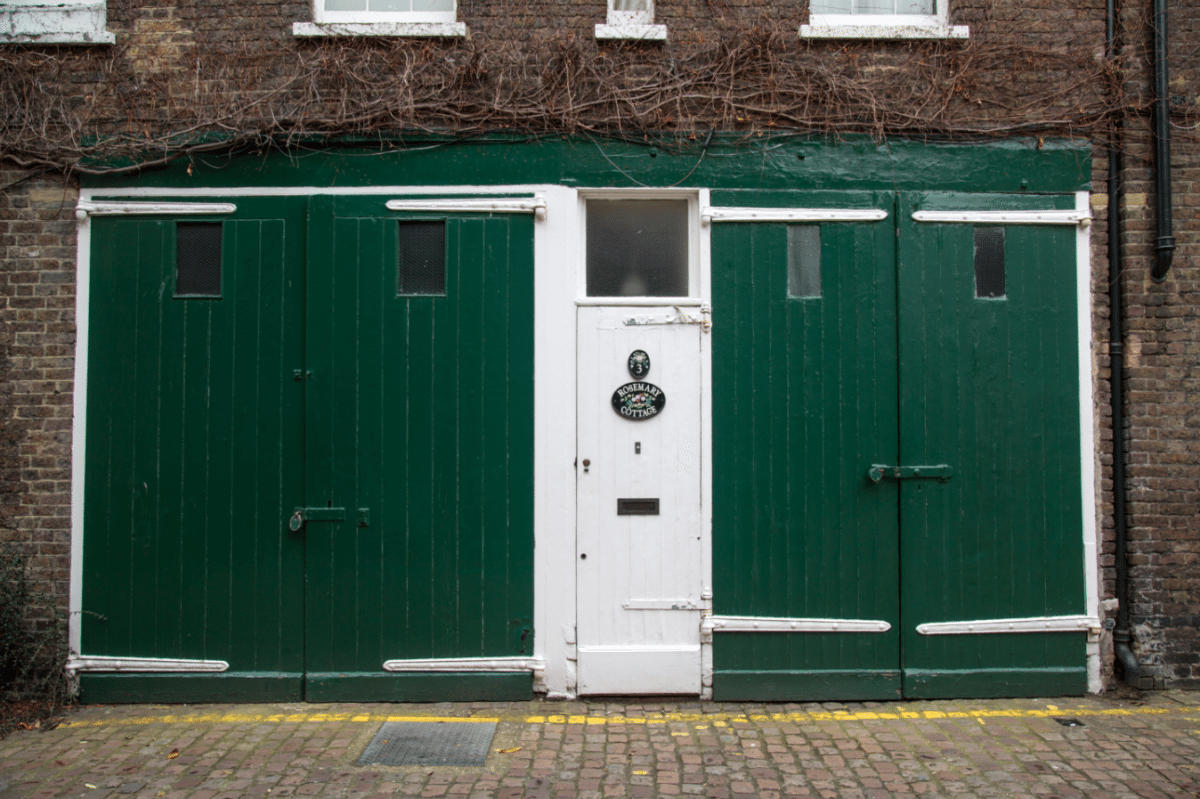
{"x":586,"y":464}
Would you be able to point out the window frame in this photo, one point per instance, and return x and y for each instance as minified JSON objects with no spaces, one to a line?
{"x":381,"y":23}
{"x":636,"y":25}
{"x":884,"y":26}
{"x":48,"y":22}
{"x":321,"y":15}
{"x":696,"y":256}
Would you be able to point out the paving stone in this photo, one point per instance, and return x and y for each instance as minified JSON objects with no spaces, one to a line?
{"x":576,"y":750}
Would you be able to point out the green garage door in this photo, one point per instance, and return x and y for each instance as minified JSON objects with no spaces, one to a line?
{"x":896,"y":449}
{"x":284,"y":356}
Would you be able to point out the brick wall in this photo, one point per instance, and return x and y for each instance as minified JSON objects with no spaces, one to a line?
{"x":1162,"y":345}
{"x":37,"y":361}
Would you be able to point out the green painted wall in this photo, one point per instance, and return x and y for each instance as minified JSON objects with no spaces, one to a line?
{"x":757,"y":162}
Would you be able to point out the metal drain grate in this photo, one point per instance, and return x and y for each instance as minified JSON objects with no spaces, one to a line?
{"x":430,"y":743}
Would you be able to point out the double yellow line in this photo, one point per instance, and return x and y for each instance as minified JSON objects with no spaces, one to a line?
{"x":713,"y":719}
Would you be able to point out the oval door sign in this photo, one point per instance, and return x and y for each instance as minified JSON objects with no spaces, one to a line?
{"x":639,"y":364}
{"x":638,"y":401}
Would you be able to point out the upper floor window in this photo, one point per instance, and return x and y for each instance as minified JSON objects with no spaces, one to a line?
{"x":881,"y":19}
{"x":51,"y":22}
{"x":386,"y":11}
{"x":382,"y":18}
{"x":631,"y":19}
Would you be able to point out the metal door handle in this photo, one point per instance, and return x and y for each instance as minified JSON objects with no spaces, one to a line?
{"x":878,"y":471}
{"x":302,"y":515}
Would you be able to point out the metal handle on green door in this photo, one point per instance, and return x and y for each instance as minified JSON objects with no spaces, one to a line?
{"x":878,"y":471}
{"x":302,"y":515}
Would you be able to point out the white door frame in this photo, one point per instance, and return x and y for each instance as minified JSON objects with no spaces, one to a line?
{"x":560,"y":287}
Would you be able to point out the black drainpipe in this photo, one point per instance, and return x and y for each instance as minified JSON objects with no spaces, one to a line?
{"x":1116,"y":357}
{"x":1164,"y":245}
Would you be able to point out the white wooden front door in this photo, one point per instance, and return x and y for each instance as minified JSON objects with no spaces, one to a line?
{"x":639,"y":573}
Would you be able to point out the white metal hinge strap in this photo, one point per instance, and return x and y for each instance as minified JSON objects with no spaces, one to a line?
{"x":466,"y":664}
{"x":1033,"y":624}
{"x":103,"y":663}
{"x":769,"y":624}
{"x":660,"y":604}
{"x":680,"y":317}
{"x":86,"y":208}
{"x":712,"y":214}
{"x":1072,"y":217}
{"x":529,"y":205}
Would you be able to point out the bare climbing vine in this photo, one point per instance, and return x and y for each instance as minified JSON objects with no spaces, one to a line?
{"x":92,"y":110}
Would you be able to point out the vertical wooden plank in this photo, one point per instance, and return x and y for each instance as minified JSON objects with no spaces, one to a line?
{"x":238,"y":242}
{"x":323,"y":254}
{"x":105,"y":558}
{"x":422,"y":401}
{"x":498,"y":452}
{"x":481,"y":242}
{"x":376,"y":253}
{"x":517,"y":623}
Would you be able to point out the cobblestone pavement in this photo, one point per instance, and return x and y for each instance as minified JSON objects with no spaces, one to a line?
{"x":550,"y":750}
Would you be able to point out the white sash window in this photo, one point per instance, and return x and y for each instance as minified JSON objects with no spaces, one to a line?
{"x":382,"y":18}
{"x":631,"y":19}
{"x":881,"y":19}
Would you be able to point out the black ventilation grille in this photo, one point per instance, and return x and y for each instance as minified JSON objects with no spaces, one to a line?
{"x":198,"y":259}
{"x":422,"y":267}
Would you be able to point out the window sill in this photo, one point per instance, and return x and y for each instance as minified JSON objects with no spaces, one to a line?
{"x":840,"y":31}
{"x":399,"y":29}
{"x":649,"y":33}
{"x":55,"y":23}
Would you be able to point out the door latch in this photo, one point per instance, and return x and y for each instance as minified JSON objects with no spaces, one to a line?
{"x":878,"y":471}
{"x":302,"y":515}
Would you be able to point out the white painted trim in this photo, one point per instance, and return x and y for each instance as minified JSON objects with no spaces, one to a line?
{"x":680,"y":317}
{"x":628,"y":16}
{"x":694,"y":227}
{"x":533,"y":205}
{"x":712,"y":214}
{"x":368,"y":17}
{"x":1032,"y":624}
{"x":822,"y":29}
{"x":83,"y":284}
{"x":515,"y":664}
{"x":1075,"y":217}
{"x":690,"y":302}
{"x":412,"y":30}
{"x":1089,"y":471}
{"x":306,"y":191}
{"x":554,"y":442}
{"x":660,"y":604}
{"x":99,"y":663}
{"x":639,"y":648}
{"x":775,"y":624}
{"x":644,"y":33}
{"x":48,"y":22}
{"x":86,"y":208}
{"x":704,"y":246}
